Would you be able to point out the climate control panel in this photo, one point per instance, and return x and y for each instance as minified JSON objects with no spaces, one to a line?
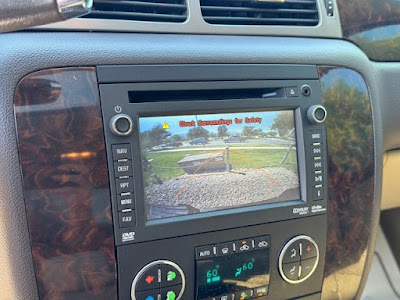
{"x":161,"y":279}
{"x":282,"y":260}
{"x":298,"y":259}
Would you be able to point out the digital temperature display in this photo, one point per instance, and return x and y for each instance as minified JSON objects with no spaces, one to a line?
{"x":232,"y":273}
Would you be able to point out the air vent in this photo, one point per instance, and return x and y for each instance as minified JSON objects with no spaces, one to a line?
{"x":145,"y":10}
{"x":260,"y":12}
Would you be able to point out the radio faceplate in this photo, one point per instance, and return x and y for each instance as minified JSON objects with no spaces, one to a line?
{"x":198,"y":237}
{"x":127,"y":165}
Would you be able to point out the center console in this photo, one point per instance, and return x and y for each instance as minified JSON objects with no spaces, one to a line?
{"x":218,"y":184}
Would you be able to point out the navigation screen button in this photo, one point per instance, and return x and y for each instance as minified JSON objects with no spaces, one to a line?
{"x":121,"y":151}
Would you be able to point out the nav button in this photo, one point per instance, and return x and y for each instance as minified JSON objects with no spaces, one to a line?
{"x":121,"y":151}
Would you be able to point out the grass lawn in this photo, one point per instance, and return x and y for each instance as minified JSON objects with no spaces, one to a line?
{"x":165,"y":164}
{"x":233,"y":145}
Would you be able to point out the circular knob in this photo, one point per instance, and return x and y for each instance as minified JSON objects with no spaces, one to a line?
{"x":316,"y":114}
{"x":298,"y":259}
{"x":121,"y":125}
{"x":159,"y":279}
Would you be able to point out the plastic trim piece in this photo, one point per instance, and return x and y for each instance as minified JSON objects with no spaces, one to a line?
{"x":328,"y":26}
{"x":74,"y":8}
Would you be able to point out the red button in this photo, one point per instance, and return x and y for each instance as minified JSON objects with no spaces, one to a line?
{"x":149,"y":279}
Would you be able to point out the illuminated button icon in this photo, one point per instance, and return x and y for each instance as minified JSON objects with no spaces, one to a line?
{"x":243,"y":295}
{"x":243,"y":245}
{"x":150,"y":298}
{"x":260,"y":291}
{"x":171,"y":295}
{"x":149,"y":279}
{"x":308,"y":249}
{"x":171,"y":275}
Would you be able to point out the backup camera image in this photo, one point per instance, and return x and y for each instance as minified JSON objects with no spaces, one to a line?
{"x":200,"y":163}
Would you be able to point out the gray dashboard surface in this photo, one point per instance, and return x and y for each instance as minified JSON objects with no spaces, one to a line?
{"x":25,"y":52}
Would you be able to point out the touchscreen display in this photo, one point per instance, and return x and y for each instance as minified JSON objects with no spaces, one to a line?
{"x":201,"y":163}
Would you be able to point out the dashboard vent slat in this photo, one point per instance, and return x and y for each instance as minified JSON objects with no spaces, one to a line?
{"x":174,"y":11}
{"x":260,"y":12}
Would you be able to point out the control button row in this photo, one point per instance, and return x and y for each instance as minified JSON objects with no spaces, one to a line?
{"x":256,"y":293}
{"x":123,"y":174}
{"x":317,"y":165}
{"x":298,"y":259}
{"x":168,"y":293}
{"x":233,"y":247}
{"x":159,"y":280}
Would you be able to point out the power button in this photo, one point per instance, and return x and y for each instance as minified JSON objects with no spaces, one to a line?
{"x":121,"y":125}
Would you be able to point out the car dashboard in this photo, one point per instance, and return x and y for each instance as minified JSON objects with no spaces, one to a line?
{"x":200,"y":150}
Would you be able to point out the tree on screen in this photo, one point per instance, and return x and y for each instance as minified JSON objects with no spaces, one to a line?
{"x":154,"y":137}
{"x":198,"y":132}
{"x":283,"y":123}
{"x":222,"y":131}
{"x":176,"y":138}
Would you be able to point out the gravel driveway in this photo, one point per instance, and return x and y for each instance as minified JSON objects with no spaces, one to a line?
{"x":218,"y":190}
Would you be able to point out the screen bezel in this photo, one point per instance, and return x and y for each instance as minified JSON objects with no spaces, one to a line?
{"x":116,"y":96}
{"x":231,"y":210}
{"x":212,"y":106}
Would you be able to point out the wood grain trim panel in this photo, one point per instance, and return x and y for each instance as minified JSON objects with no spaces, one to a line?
{"x":65,"y":178}
{"x":351,"y":169}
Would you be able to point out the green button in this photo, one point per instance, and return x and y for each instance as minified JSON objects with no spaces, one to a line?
{"x":171,"y":295}
{"x":171,"y":275}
